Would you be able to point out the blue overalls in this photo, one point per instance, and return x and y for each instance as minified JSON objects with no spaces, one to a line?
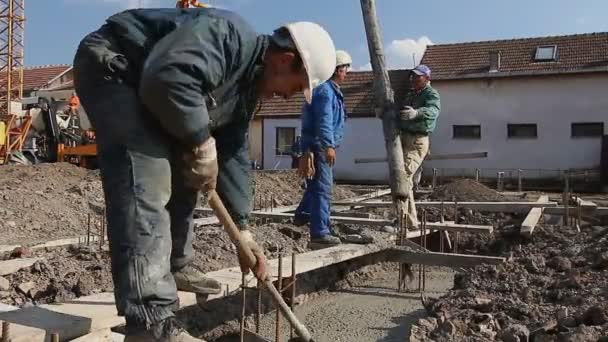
{"x":322,"y":127}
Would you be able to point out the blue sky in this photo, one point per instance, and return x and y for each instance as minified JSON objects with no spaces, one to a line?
{"x":54,"y":27}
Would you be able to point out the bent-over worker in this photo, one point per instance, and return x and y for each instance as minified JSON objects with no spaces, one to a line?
{"x":322,"y":134}
{"x":163,"y":88}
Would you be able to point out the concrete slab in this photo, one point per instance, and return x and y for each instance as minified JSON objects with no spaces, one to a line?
{"x":14,"y":265}
{"x":37,"y":324}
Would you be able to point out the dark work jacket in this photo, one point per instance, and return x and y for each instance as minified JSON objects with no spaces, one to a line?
{"x":195,"y":69}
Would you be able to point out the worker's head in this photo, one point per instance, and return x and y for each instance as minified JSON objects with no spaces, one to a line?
{"x":300,"y":56}
{"x":343,"y":63}
{"x":421,"y":75}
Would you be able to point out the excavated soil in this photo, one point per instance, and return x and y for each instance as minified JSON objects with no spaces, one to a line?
{"x":46,"y":201}
{"x":466,"y":190}
{"x":52,"y":201}
{"x":553,"y":288}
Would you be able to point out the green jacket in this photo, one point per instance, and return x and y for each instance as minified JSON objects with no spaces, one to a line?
{"x":428,"y":104}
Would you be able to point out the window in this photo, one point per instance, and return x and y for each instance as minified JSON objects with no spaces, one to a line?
{"x":587,"y":129}
{"x":546,"y":53}
{"x":522,"y":131}
{"x":285,"y":137}
{"x":466,"y":132}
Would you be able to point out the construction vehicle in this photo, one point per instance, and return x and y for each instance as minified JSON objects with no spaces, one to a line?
{"x":60,"y":132}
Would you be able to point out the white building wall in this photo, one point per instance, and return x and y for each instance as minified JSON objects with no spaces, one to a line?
{"x":271,"y":160}
{"x":553,"y":103}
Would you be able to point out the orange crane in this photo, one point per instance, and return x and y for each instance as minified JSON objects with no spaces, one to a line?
{"x":14,"y":126}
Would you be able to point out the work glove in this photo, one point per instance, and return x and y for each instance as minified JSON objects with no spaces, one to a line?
{"x":260,"y":265}
{"x":408,"y":113}
{"x":201,"y":166}
{"x":306,"y":167}
{"x":330,"y":156}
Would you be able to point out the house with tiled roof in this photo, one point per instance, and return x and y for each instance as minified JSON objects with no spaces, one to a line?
{"x":533,"y":104}
{"x":536,"y":104}
{"x":277,"y":123}
{"x":38,"y":77}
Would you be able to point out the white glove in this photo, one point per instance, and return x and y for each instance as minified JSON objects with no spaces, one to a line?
{"x":201,"y":166}
{"x":258,"y":252}
{"x":408,"y":113}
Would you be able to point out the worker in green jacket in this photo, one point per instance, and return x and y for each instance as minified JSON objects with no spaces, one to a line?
{"x":170,"y":94}
{"x":417,"y":120}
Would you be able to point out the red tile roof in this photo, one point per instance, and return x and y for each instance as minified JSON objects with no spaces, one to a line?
{"x":357,"y":90}
{"x":37,"y":77}
{"x":575,"y":53}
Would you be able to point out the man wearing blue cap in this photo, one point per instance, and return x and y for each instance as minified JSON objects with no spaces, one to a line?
{"x":417,"y":120}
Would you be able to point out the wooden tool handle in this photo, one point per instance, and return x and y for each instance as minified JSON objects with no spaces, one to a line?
{"x":222,"y":214}
{"x":226,"y":220}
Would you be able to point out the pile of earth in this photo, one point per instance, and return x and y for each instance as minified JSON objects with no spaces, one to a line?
{"x":284,"y":188}
{"x":465,"y":190}
{"x":552,"y":288}
{"x":46,"y":201}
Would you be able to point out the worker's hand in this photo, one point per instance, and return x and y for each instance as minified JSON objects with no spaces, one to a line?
{"x":306,"y":167}
{"x":408,"y":113}
{"x":201,"y":166}
{"x":259,"y":269}
{"x":330,"y":156}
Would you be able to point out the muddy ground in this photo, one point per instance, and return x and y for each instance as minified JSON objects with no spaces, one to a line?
{"x":552,"y":288}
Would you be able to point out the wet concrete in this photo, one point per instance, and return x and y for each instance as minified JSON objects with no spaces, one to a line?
{"x":368,"y":311}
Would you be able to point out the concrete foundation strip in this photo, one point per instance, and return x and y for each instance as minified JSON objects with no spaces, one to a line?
{"x":98,"y":312}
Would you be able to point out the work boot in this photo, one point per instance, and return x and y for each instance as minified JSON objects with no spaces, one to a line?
{"x":324,"y":241}
{"x":300,"y":220}
{"x":189,"y":279}
{"x":169,"y":330}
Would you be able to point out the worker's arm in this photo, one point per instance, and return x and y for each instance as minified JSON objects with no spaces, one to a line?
{"x":181,"y":69}
{"x":322,"y":116}
{"x":431,"y":108}
{"x":233,"y":182}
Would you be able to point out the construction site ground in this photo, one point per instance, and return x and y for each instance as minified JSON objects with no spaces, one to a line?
{"x":552,"y":287}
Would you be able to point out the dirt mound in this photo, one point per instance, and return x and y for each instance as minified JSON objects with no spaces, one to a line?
{"x":466,"y":190}
{"x":46,"y":201}
{"x":285,"y":188}
{"x":553,"y":288}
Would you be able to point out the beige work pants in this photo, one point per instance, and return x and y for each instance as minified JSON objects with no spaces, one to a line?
{"x":415,"y":147}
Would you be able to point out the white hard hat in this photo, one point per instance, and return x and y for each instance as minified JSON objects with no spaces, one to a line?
{"x":343,"y":58}
{"x":316,"y":48}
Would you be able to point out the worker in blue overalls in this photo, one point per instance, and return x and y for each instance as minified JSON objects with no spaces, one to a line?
{"x":322,"y":132}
